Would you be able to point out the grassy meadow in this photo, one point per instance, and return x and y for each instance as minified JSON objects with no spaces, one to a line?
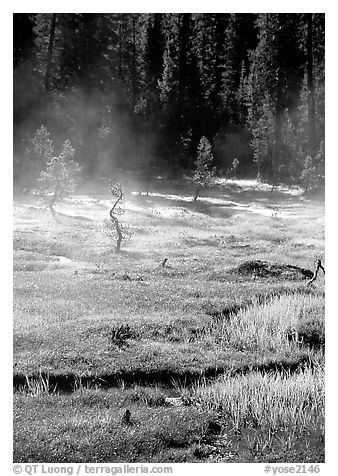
{"x":218,"y":355}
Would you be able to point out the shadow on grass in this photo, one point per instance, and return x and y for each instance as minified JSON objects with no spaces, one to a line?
{"x":213,"y":210}
{"x":217,"y":204}
{"x":66,"y":383}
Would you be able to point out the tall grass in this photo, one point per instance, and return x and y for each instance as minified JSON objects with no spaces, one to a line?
{"x":38,"y":386}
{"x":270,"y":401}
{"x":267,"y":326}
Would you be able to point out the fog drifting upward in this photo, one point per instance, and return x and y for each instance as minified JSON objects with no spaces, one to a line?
{"x":104,"y":137}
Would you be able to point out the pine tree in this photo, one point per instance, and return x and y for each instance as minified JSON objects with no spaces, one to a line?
{"x":60,"y":177}
{"x":203,"y":166}
{"x":274,"y":83}
{"x":27,"y":83}
{"x":38,"y":154}
{"x":148,"y":86}
{"x":309,"y":174}
{"x":240,"y":37}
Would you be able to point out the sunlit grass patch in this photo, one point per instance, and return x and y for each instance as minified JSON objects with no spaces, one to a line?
{"x":266,"y":326}
{"x":271,"y":400}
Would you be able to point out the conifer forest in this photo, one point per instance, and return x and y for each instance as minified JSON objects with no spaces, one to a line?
{"x":138,"y":91}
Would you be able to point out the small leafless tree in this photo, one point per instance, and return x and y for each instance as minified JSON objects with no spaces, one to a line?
{"x":117,"y":192}
{"x":113,"y":227}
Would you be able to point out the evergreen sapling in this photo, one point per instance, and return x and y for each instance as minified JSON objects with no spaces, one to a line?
{"x":203,"y":166}
{"x":60,"y":177}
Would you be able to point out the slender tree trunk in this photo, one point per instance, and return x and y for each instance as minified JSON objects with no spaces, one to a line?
{"x":118,"y":231}
{"x":88,"y":143}
{"x":312,"y":139}
{"x":276,"y":149}
{"x":116,"y":222}
{"x":49,"y":66}
{"x":53,"y":200}
{"x":197,"y":191}
{"x":273,"y":164}
{"x":183,"y":36}
{"x":133,"y":64}
{"x":120,"y":50}
{"x":258,"y":162}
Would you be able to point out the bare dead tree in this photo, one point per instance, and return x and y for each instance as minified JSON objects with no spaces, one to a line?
{"x":117,"y":192}
{"x":318,"y":264}
{"x":112,"y":227}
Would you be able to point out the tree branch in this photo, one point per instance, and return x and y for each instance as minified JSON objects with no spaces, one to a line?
{"x":318,"y":267}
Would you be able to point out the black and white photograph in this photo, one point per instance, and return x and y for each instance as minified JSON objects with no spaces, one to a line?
{"x":168,"y":239}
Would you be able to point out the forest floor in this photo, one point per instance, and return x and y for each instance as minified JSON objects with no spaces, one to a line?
{"x":218,"y":355}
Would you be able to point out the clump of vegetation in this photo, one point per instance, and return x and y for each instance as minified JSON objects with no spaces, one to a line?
{"x":310,"y":328}
{"x":113,"y":227}
{"x":60,"y":177}
{"x":203,"y":166}
{"x":119,"y":335}
{"x":38,"y":386}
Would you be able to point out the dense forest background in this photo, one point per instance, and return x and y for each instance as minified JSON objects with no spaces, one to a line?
{"x":138,"y":91}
